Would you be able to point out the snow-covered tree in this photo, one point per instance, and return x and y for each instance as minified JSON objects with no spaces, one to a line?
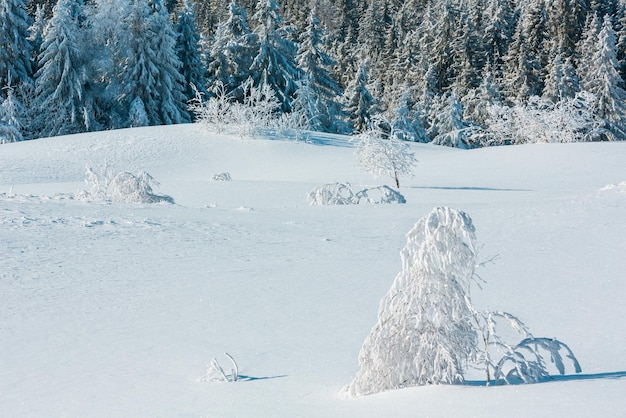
{"x":424,"y":334}
{"x":315,"y":64}
{"x":274,"y":65}
{"x":562,"y":81}
{"x":607,"y":85}
{"x":232,"y":50}
{"x":188,"y":50}
{"x":15,"y":46}
{"x":360,"y":105}
{"x":380,"y":151}
{"x":62,"y":105}
{"x":448,"y":126}
{"x":150,"y":70}
{"x":11,"y":113}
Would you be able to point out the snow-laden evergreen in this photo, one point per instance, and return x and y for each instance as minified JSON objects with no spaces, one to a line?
{"x":62,"y":105}
{"x":316,"y":65}
{"x":15,"y":45}
{"x":607,"y":85}
{"x":274,"y":65}
{"x":11,"y":116}
{"x":150,"y":69}
{"x":188,"y":50}
{"x":232,"y":51}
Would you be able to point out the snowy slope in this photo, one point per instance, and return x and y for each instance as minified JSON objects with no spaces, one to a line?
{"x":113,"y":309}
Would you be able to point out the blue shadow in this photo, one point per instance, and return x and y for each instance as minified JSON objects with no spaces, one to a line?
{"x":564,"y":378}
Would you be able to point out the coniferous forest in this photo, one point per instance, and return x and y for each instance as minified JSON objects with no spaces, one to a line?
{"x":462,"y":73}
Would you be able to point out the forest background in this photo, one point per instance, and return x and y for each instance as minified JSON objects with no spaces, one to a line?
{"x":462,"y":73}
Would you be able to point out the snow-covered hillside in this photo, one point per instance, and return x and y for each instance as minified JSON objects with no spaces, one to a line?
{"x":110,"y":309}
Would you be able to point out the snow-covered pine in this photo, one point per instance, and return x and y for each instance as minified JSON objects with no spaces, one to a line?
{"x":358,"y":101}
{"x":15,"y":45}
{"x":150,"y":70}
{"x":274,"y":65}
{"x":233,"y":47}
{"x":61,"y":100}
{"x":188,"y":50}
{"x":323,"y":91}
{"x":424,"y":333}
{"x":607,"y":85}
{"x":11,"y":113}
{"x":380,"y":151}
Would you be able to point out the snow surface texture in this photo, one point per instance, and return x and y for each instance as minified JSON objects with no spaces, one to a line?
{"x":115,"y":309}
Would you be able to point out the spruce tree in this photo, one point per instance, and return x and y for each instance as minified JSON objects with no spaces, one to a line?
{"x":61,"y":106}
{"x":188,"y":50}
{"x":151,"y":68}
{"x":274,"y":65}
{"x":314,"y":64}
{"x":360,"y":104}
{"x":11,"y":113}
{"x":232,"y":51}
{"x":606,"y":84}
{"x":15,"y":47}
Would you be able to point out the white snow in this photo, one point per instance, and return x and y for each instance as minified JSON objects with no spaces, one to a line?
{"x":113,"y":309}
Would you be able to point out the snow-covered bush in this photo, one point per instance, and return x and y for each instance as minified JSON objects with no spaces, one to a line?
{"x":220,"y":113}
{"x":123,"y":187}
{"x":332,"y":194}
{"x":215,"y":372}
{"x":541,"y":121}
{"x":380,"y":151}
{"x":342,"y":194}
{"x":380,"y":194}
{"x":428,"y":331}
{"x":222,"y":177}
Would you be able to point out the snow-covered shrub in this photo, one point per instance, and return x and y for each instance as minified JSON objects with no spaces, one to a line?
{"x":215,"y":372}
{"x":332,"y":194}
{"x":522,"y":362}
{"x":123,"y":187}
{"x":380,"y":194}
{"x":126,"y":187}
{"x":424,"y":332}
{"x":380,"y":151}
{"x":542,"y":121}
{"x":428,"y":331}
{"x":215,"y":113}
{"x":222,"y":177}
{"x":342,"y":194}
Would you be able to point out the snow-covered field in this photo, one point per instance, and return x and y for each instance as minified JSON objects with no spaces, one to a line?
{"x":111,"y":309}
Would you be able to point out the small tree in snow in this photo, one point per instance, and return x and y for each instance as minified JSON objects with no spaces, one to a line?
{"x":428,"y":331}
{"x":380,"y":151}
{"x":11,"y":112}
{"x":424,"y":333}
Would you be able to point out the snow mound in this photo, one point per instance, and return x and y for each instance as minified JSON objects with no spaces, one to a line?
{"x":342,"y":194}
{"x":619,"y":187}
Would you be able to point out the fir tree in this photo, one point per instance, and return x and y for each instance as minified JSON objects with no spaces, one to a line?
{"x":606,"y":84}
{"x":360,"y":104}
{"x":232,"y":51}
{"x":15,"y":47}
{"x":151,"y":68}
{"x":274,"y":65}
{"x":61,"y":106}
{"x":188,"y":50}
{"x":11,"y":113}
{"x":314,"y":65}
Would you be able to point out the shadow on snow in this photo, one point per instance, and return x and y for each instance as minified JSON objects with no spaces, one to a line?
{"x":565,"y":378}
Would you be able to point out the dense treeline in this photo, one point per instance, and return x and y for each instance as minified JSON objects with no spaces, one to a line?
{"x":455,"y":72}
